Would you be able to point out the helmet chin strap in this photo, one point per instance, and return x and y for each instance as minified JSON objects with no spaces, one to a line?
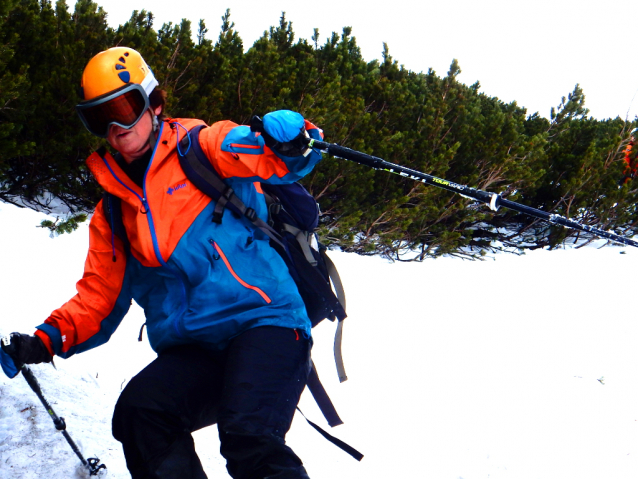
{"x":152,"y":138}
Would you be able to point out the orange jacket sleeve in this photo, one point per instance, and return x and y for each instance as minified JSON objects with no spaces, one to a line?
{"x":102,"y":300}
{"x":239,"y":154}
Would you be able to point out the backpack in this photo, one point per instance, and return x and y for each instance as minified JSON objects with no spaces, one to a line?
{"x":293,"y":216}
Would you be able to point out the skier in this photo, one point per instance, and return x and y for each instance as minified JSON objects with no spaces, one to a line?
{"x":222,"y":312}
{"x":631,"y":163}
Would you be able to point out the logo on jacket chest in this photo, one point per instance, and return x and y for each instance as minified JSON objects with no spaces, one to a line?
{"x":176,"y":187}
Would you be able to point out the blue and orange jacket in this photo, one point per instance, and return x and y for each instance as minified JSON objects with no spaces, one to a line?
{"x":197,"y":281}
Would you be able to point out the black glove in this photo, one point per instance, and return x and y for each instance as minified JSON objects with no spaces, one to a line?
{"x":25,"y":349}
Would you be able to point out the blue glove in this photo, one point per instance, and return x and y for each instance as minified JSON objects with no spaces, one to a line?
{"x":284,"y":132}
{"x":8,"y":366}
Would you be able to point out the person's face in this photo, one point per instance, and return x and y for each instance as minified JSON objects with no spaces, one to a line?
{"x":132,"y":143}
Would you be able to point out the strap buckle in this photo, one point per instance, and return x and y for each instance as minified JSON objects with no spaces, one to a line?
{"x":251,"y":214}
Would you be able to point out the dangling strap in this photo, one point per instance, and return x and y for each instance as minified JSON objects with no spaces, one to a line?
{"x":327,"y":408}
{"x":321,"y":397}
{"x":333,"y":274}
{"x":335,"y":278}
{"x":337,"y":442}
{"x":141,"y":333}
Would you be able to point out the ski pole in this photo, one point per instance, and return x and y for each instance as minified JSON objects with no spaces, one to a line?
{"x":93,"y":463}
{"x":493,"y":200}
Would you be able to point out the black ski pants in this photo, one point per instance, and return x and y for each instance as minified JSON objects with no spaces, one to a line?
{"x":250,"y":390}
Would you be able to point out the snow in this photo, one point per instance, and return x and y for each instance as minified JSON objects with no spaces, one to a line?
{"x":515,"y":367}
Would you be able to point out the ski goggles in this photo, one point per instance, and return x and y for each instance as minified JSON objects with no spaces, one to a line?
{"x":123,"y":107}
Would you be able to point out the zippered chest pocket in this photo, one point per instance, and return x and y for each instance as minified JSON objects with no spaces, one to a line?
{"x":219,"y":254}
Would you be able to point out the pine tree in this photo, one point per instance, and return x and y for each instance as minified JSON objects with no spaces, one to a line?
{"x":49,"y":55}
{"x":582,"y":170}
{"x":569,"y":164}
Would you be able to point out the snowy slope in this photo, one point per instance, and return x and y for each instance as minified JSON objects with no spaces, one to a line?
{"x":30,"y":447}
{"x":516,"y":367}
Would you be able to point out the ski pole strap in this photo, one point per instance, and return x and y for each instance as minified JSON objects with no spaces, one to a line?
{"x":337,"y":442}
{"x":493,"y":200}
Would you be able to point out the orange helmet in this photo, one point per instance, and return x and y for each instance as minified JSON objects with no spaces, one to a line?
{"x":116,"y":85}
{"x":114,"y":68}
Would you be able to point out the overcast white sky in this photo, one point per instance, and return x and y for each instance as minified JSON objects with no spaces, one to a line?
{"x":532,"y":51}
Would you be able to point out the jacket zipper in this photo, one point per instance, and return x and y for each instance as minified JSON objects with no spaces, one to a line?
{"x":249,"y":147}
{"x":224,"y":258}
{"x":156,"y":248}
{"x":151,"y":225}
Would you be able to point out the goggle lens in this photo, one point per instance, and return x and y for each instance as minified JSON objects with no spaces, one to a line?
{"x":124,"y":110}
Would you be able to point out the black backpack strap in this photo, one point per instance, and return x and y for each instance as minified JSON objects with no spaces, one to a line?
{"x":321,"y":397}
{"x":112,"y":208}
{"x":327,"y":408}
{"x":337,"y":442}
{"x":202,"y":174}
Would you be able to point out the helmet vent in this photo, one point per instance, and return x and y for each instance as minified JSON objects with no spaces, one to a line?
{"x":124,"y":76}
